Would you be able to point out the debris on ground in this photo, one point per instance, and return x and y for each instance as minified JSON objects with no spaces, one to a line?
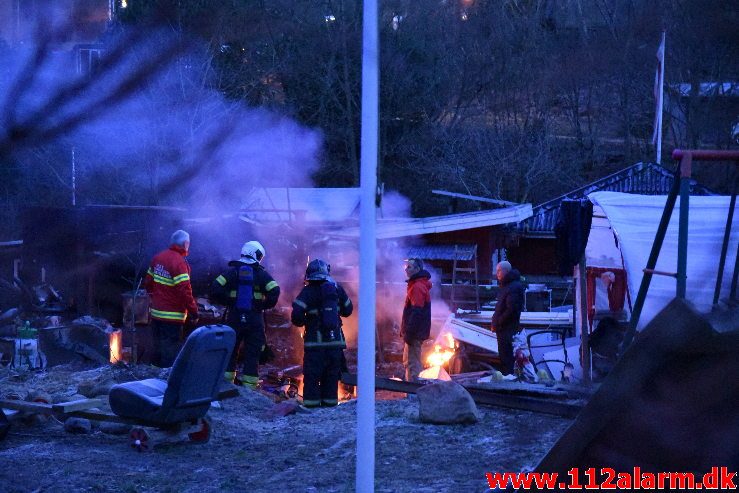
{"x":269,"y":446}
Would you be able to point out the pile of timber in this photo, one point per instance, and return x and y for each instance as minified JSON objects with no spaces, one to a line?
{"x":560,"y":399}
{"x":11,"y":410}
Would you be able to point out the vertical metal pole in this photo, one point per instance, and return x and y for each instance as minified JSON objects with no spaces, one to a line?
{"x":732,"y":294}
{"x":682,"y":238}
{"x":725,"y":246}
{"x":365,"y":466}
{"x":584,"y":335}
{"x":652,"y":261}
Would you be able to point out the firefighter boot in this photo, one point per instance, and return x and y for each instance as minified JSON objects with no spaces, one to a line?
{"x":249,"y":381}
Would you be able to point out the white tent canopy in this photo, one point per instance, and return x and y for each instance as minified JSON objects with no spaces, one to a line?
{"x":634,"y":220}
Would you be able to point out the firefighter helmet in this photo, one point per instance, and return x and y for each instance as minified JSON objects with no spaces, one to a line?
{"x":252,"y":252}
{"x":317,"y":270}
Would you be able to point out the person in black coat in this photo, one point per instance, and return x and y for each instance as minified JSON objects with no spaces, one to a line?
{"x":507,"y":315}
{"x":319,"y":308}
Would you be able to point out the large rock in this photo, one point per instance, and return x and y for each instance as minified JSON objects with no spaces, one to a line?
{"x":446,"y":402}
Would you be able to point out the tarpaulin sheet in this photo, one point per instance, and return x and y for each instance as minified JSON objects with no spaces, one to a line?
{"x":635,"y":218}
{"x":602,"y":250}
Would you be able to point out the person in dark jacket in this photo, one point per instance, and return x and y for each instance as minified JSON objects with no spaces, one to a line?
{"x":319,"y":308}
{"x":415,"y":326}
{"x":168,"y":283}
{"x":246,"y":289}
{"x":507,"y":315}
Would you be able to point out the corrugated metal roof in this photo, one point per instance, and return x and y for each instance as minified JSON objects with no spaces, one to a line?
{"x":317,"y":204}
{"x":641,"y":178}
{"x":442,"y":252}
{"x":400,"y":228}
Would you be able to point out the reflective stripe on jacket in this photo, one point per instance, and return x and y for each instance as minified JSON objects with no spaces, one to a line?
{"x":266,"y":291}
{"x":307,"y":313}
{"x":168,"y":283}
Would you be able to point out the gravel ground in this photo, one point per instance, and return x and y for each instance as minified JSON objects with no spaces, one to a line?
{"x":252,"y":450}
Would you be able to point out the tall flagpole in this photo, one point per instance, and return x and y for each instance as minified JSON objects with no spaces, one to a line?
{"x":365,"y":467}
{"x":660,"y":98}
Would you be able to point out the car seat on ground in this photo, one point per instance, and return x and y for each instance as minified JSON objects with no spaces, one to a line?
{"x":192,"y":385}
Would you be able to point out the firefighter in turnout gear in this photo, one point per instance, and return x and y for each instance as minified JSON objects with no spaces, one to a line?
{"x":319,"y":308}
{"x":247,"y":290}
{"x":168,"y":283}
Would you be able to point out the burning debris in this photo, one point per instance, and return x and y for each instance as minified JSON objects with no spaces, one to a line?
{"x":444,"y":349}
{"x":37,"y":334}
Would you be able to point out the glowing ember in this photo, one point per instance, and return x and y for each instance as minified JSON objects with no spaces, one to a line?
{"x":114,"y":342}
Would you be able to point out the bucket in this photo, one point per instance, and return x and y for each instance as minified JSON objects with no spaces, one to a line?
{"x":26,"y":349}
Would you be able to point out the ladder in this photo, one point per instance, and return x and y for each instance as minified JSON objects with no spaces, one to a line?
{"x":467,"y":267}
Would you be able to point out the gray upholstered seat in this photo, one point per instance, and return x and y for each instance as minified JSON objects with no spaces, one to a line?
{"x":192,"y":385}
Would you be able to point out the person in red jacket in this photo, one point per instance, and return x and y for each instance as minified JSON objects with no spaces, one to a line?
{"x":415,"y":326}
{"x":168,"y":284}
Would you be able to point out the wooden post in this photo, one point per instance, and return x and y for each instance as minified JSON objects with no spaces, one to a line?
{"x":584,"y":335}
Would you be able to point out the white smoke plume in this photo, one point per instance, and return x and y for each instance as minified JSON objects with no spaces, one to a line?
{"x":146,"y":128}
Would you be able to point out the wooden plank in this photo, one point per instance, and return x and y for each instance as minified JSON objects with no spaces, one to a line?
{"x":471,"y":334}
{"x":516,"y":388}
{"x":460,"y":377}
{"x":32,"y":407}
{"x":102,"y":416}
{"x":568,"y":409}
{"x":384,"y":383}
{"x":43,"y":408}
{"x":527,"y":318}
{"x":81,"y":408}
{"x":78,"y":405}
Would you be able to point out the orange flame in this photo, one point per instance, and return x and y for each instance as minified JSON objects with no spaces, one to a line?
{"x":439,"y":357}
{"x":442,"y":354}
{"x":114,"y":342}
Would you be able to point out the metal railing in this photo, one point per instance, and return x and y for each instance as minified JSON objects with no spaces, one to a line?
{"x":681,"y":188}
